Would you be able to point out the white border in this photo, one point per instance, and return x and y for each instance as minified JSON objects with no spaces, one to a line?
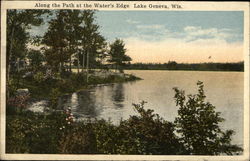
{"x":186,"y":6}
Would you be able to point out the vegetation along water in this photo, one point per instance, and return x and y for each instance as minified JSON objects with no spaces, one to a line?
{"x":72,"y":56}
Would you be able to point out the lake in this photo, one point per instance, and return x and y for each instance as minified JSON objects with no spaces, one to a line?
{"x":225,"y":90}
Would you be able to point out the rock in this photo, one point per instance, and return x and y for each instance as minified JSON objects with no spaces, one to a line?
{"x":23,"y":92}
{"x":27,"y":75}
{"x":39,"y":106}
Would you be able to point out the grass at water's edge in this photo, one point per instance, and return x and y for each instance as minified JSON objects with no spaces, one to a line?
{"x":73,"y":83}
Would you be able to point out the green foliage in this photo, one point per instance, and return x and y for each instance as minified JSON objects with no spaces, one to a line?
{"x":12,"y":86}
{"x":147,"y":133}
{"x":28,"y":132}
{"x":198,"y":124}
{"x":92,"y":42}
{"x":17,"y":103}
{"x":36,"y":59}
{"x":18,"y":22}
{"x":76,"y":138}
{"x":80,"y":139}
{"x":106,"y":142}
{"x":73,"y":34}
{"x":172,"y":65}
{"x":117,"y":54}
{"x":56,"y":39}
{"x":78,"y":79}
{"x":39,"y":77}
{"x":55,"y":93}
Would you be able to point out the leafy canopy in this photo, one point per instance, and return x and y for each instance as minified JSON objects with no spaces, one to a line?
{"x":117,"y":52}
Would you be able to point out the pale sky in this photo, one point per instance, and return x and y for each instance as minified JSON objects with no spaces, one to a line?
{"x":186,"y":36}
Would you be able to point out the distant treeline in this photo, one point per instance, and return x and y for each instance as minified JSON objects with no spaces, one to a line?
{"x":172,"y":65}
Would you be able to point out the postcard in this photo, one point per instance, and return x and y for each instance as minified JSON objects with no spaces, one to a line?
{"x":124,"y":80}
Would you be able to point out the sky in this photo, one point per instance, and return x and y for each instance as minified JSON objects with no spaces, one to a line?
{"x":184,"y":37}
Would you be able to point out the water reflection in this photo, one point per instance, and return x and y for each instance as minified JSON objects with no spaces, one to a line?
{"x":223,"y":89}
{"x":82,"y":104}
{"x":74,"y":101}
{"x":118,"y":95}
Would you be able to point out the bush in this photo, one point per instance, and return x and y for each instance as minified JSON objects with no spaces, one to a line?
{"x":17,"y":103}
{"x":53,"y":98}
{"x":29,"y":133}
{"x":39,"y":77}
{"x":77,"y":137}
{"x":78,"y":79}
{"x":147,"y":133}
{"x":198,"y":124}
{"x":12,"y":86}
{"x":107,"y":137}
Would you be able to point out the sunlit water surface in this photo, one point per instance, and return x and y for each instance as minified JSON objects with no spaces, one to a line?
{"x":114,"y":101}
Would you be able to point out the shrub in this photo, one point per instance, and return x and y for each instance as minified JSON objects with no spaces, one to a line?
{"x":198,"y":124}
{"x":53,"y":98}
{"x":77,"y":137}
{"x":107,"y":137}
{"x":39,"y":77}
{"x":12,"y":86}
{"x":147,"y":133}
{"x":17,"y":103}
{"x":78,"y":79}
{"x":29,"y":133}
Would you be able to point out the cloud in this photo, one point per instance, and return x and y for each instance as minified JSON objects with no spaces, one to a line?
{"x":197,"y":34}
{"x":190,"y":44}
{"x":193,"y":44}
{"x":151,"y":27}
{"x":181,"y":51}
{"x":194,"y":33}
{"x":130,"y":21}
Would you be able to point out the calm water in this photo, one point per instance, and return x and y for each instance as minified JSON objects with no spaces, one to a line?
{"x":223,"y":89}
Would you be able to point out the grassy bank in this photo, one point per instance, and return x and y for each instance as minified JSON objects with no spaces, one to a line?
{"x":42,"y":88}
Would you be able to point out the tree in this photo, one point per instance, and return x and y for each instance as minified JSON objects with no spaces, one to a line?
{"x":92,"y":42}
{"x":198,"y":125}
{"x":18,"y":22}
{"x":36,"y":59}
{"x":73,"y":20}
{"x":56,"y":40}
{"x":117,"y":54}
{"x":171,"y":65}
{"x":73,"y":33}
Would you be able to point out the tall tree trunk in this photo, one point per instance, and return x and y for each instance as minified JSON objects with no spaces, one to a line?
{"x":87,"y":66}
{"x":83,"y":61}
{"x":60,"y":67}
{"x":78,"y":63}
{"x":10,"y":52}
{"x":60,"y":64}
{"x":10,"y":56}
{"x":70,"y":64}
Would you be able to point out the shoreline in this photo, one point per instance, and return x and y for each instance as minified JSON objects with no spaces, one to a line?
{"x":51,"y":90}
{"x":189,"y":70}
